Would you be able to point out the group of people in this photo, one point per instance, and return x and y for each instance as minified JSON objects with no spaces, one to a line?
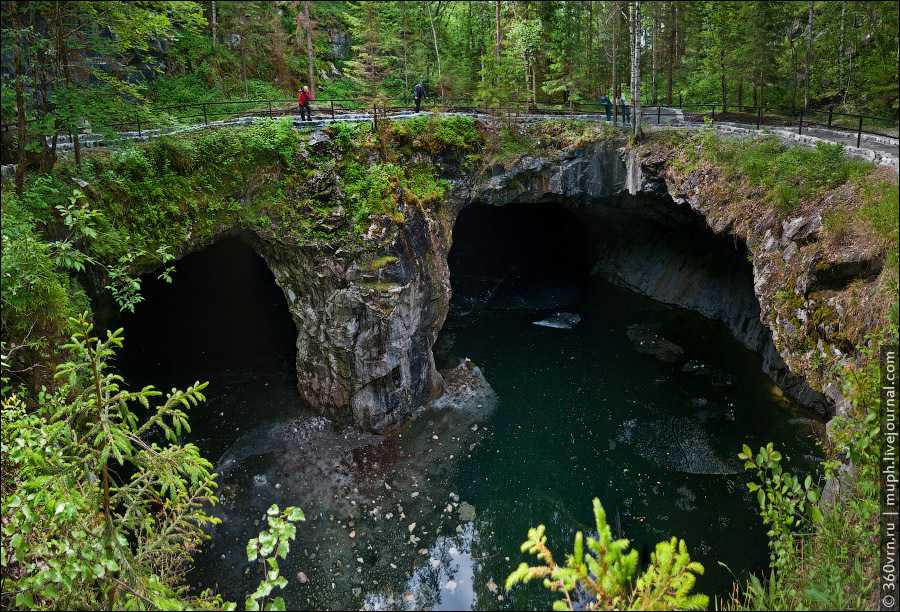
{"x":305,"y":96}
{"x":622,"y":102}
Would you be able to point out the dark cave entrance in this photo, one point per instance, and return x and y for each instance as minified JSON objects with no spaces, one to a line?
{"x":222,"y":320}
{"x":518,"y":257}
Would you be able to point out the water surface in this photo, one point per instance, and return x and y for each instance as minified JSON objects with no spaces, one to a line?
{"x":432,"y":515}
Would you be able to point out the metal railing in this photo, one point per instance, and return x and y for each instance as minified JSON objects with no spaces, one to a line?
{"x":154,"y":120}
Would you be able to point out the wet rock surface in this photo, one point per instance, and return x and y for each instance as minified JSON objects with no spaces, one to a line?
{"x":372,"y":502}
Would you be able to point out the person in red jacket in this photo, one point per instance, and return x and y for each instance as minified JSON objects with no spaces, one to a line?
{"x":303,"y":98}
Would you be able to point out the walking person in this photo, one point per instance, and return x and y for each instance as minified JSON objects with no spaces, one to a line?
{"x":303,"y":98}
{"x":418,"y":94}
{"x":626,"y":112}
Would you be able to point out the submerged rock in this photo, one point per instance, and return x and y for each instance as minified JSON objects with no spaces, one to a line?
{"x":679,"y":444}
{"x":466,"y":512}
{"x":561,"y":320}
{"x":647,"y":341}
{"x":466,"y":390}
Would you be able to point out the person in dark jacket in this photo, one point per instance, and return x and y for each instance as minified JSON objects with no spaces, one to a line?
{"x":418,"y":94}
{"x":303,"y":98}
{"x":607,"y":104}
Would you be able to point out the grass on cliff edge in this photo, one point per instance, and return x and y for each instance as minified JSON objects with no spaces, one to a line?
{"x":859,"y":201}
{"x":791,"y":175}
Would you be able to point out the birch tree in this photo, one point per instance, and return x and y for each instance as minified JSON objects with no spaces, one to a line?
{"x":635,"y":10}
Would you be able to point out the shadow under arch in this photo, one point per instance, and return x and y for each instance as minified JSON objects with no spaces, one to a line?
{"x":223,"y":320}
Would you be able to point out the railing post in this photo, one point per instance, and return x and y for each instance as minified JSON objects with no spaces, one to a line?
{"x":859,"y":132}
{"x":713,"y":112}
{"x":270,"y":108}
{"x":800,"y":129}
{"x":205,"y":117}
{"x":680,"y":100}
{"x":140,"y":134}
{"x":830,"y":111}
{"x":758,"y":116}
{"x":658,"y":114}
{"x":332,"y":110}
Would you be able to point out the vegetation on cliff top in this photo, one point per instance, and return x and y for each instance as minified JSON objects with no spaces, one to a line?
{"x":131,"y":210}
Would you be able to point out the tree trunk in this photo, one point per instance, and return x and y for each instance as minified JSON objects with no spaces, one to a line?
{"x":722,"y":79}
{"x":310,"y":63}
{"x":636,"y":68}
{"x":670,"y":68}
{"x":499,"y":37}
{"x":42,"y":69}
{"x":794,"y":84}
{"x":21,"y":125}
{"x":653,"y":67}
{"x":213,"y":23}
{"x":809,"y":41}
{"x":614,"y":78}
{"x":404,"y":35}
{"x":841,"y":53}
{"x":437,"y":52}
{"x":590,"y":54}
{"x":64,"y":60}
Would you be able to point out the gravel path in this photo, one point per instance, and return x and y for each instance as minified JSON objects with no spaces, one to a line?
{"x":881,"y":150}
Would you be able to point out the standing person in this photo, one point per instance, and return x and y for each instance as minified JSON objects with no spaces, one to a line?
{"x":606,"y":103}
{"x":418,"y":94}
{"x":623,"y":102}
{"x":303,"y":98}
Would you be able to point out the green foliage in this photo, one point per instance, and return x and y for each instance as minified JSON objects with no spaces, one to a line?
{"x":103,"y":508}
{"x":605,"y":569}
{"x":785,"y":503}
{"x":881,"y":208}
{"x":436,"y":134}
{"x":36,"y":302}
{"x":272,"y":544}
{"x":829,"y":564}
{"x":371,"y":189}
{"x":77,"y":533}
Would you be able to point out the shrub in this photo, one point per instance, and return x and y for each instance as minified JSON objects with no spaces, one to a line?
{"x":103,"y":509}
{"x":606,"y":572}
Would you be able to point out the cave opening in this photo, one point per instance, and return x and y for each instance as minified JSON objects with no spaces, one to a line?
{"x":224,"y":320}
{"x":642,"y":398}
{"x":525,"y":256}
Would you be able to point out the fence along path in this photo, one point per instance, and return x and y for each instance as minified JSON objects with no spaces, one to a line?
{"x":880,"y":148}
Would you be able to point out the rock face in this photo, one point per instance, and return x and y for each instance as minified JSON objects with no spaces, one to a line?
{"x":366,"y":325}
{"x":365,"y":328}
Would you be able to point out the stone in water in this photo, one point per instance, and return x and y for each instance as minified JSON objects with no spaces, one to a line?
{"x":561,"y":320}
{"x":466,"y":512}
